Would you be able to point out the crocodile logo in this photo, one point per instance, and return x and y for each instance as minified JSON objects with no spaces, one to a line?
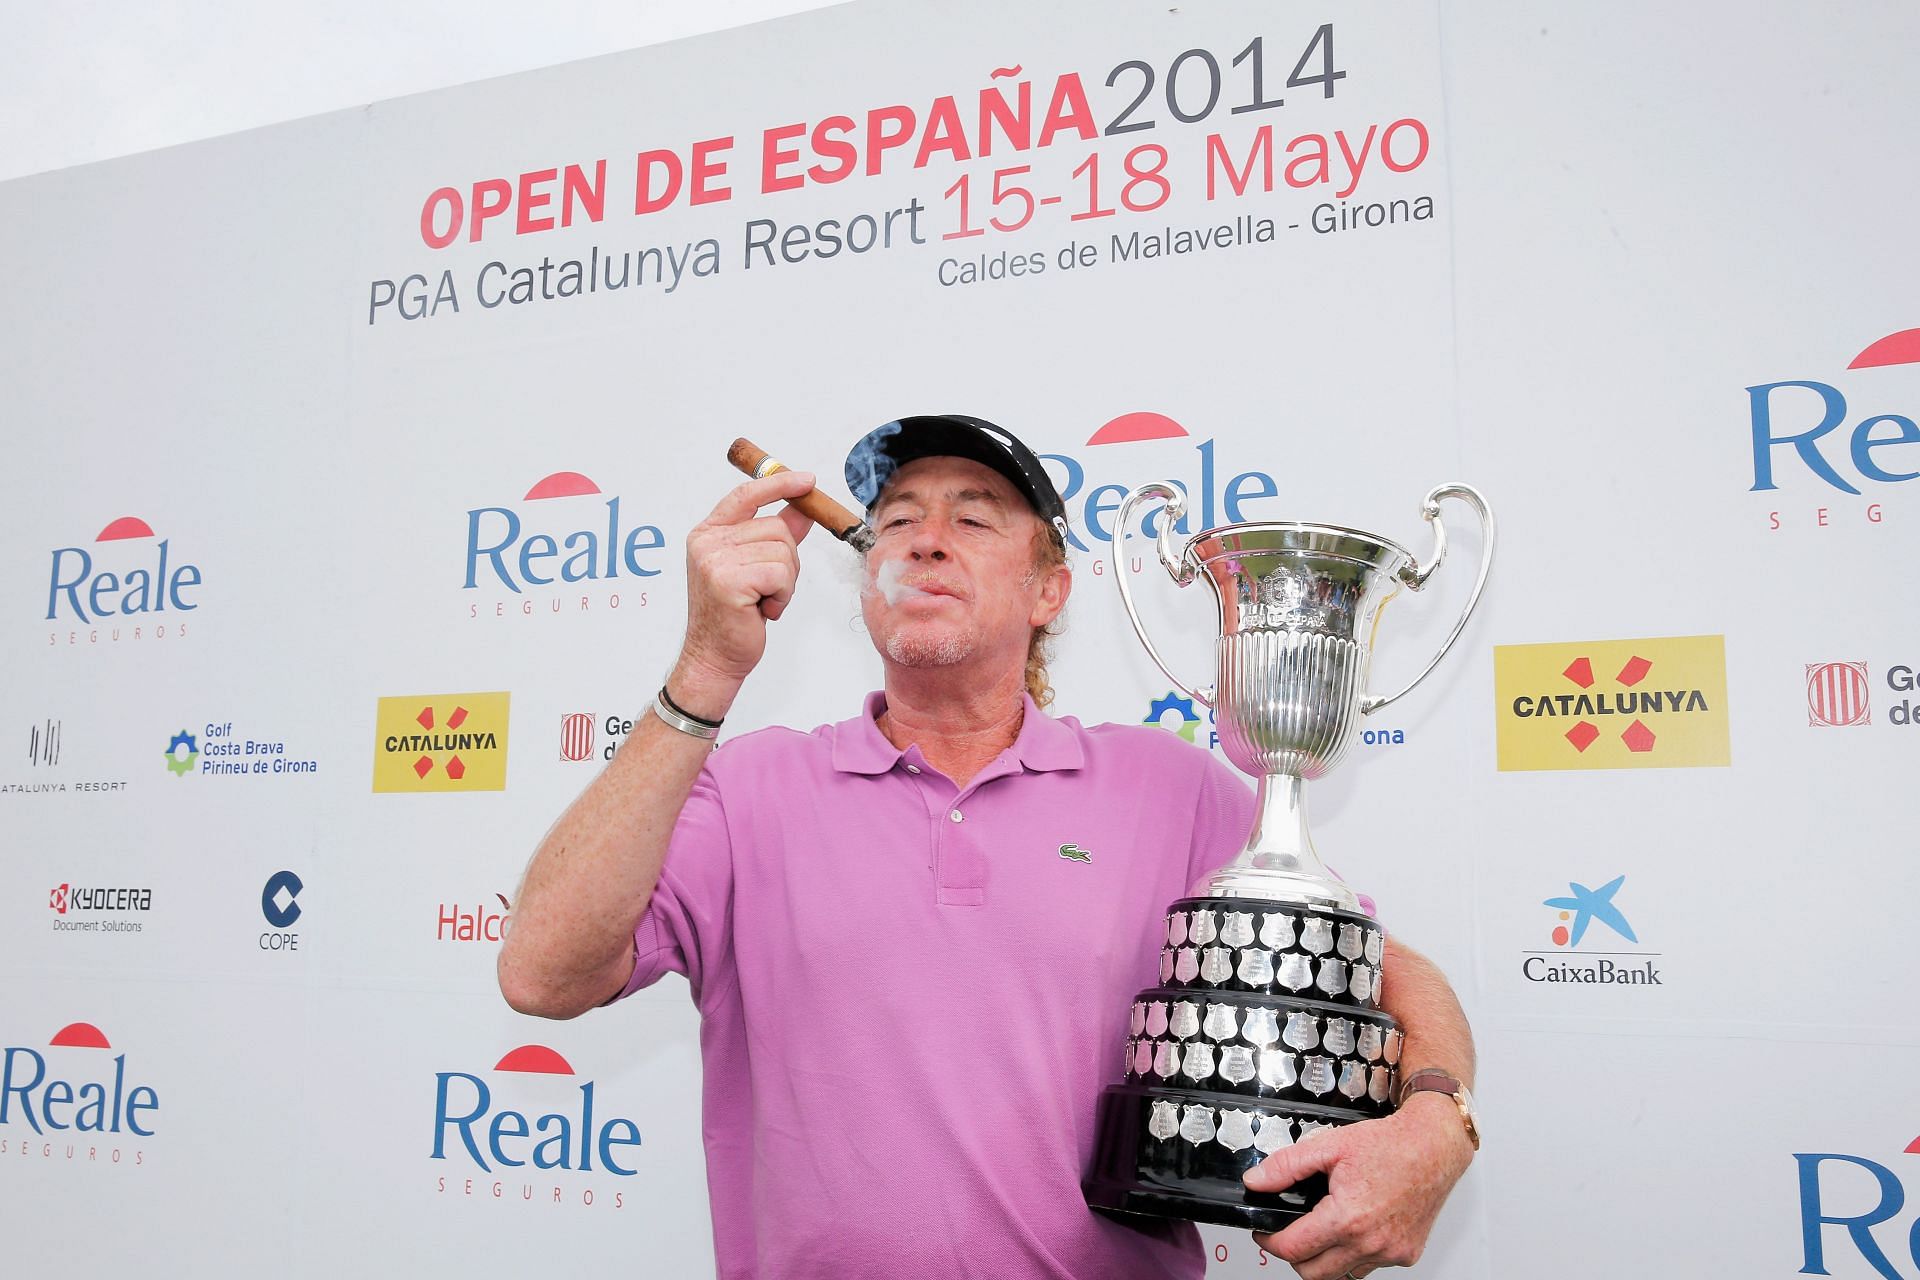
{"x":1074,"y":853}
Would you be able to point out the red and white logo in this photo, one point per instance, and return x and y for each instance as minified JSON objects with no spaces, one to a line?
{"x":1837,"y":694}
{"x":576,"y":736}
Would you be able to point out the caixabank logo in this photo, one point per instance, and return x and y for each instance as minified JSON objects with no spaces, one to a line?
{"x":441,"y":742}
{"x":1658,"y":703}
{"x":565,"y":550}
{"x":1850,"y":1207}
{"x":1094,"y":486}
{"x":530,"y":1132}
{"x":75,"y":1103}
{"x":1838,"y":461}
{"x":1842,"y":695}
{"x":129,"y":587}
{"x":1594,"y":944}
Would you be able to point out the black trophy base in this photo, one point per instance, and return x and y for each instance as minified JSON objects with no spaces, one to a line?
{"x":1135,"y":1173}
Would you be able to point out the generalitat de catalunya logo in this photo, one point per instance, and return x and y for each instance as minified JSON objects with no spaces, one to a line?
{"x":1657,"y":703}
{"x":557,"y":1125}
{"x":84,"y":1102}
{"x":1840,"y":695}
{"x":1593,"y":941}
{"x":441,"y":742}
{"x":1835,"y":462}
{"x":566,"y":549}
{"x":587,"y":735}
{"x":128,"y":588}
{"x":1836,"y":1218}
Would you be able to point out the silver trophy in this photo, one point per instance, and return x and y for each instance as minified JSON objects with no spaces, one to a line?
{"x":1267,"y":1026}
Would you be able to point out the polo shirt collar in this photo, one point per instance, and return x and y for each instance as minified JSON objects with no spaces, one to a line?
{"x":1045,"y":744}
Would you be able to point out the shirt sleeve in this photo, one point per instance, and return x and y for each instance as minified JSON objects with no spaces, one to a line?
{"x":687,"y":927}
{"x":1222,"y":817}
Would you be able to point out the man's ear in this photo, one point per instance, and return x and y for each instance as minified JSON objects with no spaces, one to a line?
{"x":1054,"y":590}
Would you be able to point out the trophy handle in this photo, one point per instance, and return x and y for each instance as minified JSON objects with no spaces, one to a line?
{"x":1172,"y":559}
{"x":1415,"y":576}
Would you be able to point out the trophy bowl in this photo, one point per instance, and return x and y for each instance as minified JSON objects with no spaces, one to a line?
{"x":1267,"y":1026}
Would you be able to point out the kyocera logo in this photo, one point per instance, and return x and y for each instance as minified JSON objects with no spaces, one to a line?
{"x":573,"y":535}
{"x":1210,"y":499}
{"x":1796,"y":427}
{"x":564,"y":1135}
{"x":135,"y":579}
{"x":1856,"y":1195}
{"x":42,"y":1098}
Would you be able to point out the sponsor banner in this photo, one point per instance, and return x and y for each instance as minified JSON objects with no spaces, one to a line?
{"x":1656,"y":703}
{"x":441,"y":742}
{"x":44,"y":776}
{"x":1845,"y":695}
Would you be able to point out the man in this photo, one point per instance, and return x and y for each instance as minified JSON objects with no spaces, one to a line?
{"x":914,"y":936}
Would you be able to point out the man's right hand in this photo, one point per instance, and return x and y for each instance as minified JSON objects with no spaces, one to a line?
{"x":741,"y":571}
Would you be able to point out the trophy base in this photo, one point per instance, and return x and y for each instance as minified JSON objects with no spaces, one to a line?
{"x":1133,"y":1173}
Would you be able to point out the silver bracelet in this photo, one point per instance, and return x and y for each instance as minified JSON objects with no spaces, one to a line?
{"x":690,"y":727}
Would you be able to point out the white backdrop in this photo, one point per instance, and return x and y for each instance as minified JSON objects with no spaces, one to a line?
{"x":1634,"y":220}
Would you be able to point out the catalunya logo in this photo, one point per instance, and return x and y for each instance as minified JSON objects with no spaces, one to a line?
{"x":126,"y":575}
{"x":550,"y":1124}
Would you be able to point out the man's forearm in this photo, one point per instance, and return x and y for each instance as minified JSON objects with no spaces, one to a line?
{"x":571,"y":945}
{"x":1432,"y":1023}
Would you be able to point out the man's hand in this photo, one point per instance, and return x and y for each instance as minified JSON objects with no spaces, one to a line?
{"x":1386,"y":1181}
{"x":741,"y":571}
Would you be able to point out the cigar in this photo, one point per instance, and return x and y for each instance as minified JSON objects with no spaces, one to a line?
{"x":815,"y":505}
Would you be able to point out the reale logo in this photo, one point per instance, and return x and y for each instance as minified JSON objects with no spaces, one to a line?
{"x":576,"y":544}
{"x":35,"y":1098}
{"x":1663,"y":702}
{"x":441,"y":742}
{"x":473,"y":1130}
{"x":136,"y":585}
{"x":1209,"y":498}
{"x":1796,"y":415}
{"x":1815,"y":1184}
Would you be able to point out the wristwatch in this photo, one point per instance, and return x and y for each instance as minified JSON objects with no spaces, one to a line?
{"x":1434,"y":1080}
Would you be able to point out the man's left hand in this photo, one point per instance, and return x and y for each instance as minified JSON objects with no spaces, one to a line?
{"x":1386,"y":1181}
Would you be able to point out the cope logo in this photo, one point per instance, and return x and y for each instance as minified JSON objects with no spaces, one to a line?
{"x":441,"y":742}
{"x":565,"y":551}
{"x":481,"y":924}
{"x":72,"y":1103}
{"x":127,"y":588}
{"x":1840,"y":694}
{"x":1610,"y":955}
{"x":1612,"y":704}
{"x":1210,"y":500}
{"x":280,"y":905}
{"x":550,"y":1127}
{"x":1796,"y":432}
{"x":1844,"y":1200}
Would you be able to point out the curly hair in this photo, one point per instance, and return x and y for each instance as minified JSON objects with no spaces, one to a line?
{"x":1049,"y":553}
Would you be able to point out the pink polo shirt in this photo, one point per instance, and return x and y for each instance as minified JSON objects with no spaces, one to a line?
{"x":911,"y":998}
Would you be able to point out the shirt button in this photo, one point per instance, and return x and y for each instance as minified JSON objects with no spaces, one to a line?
{"x":955,"y":815}
{"x":913,"y":768}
